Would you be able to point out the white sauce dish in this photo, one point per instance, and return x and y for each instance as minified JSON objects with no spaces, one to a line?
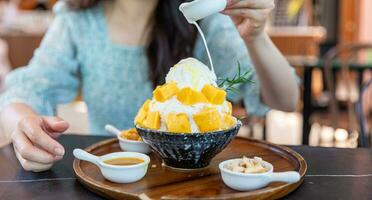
{"x":117,"y":173}
{"x":128,"y":145}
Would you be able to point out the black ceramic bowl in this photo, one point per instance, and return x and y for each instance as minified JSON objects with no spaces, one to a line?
{"x":188,"y":151}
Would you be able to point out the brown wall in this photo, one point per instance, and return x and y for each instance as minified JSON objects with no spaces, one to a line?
{"x":349,"y":21}
{"x":21,"y":48}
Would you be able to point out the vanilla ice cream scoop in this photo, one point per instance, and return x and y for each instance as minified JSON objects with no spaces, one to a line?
{"x":191,"y":73}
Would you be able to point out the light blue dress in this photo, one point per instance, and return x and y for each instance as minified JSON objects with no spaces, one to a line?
{"x":77,"y":54}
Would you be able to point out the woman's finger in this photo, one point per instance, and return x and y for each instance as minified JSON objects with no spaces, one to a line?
{"x":54,"y":126}
{"x":32,"y":166}
{"x":245,"y":28}
{"x":31,"y":126}
{"x":237,"y":20}
{"x":256,"y":15}
{"x":29,"y":152}
{"x":252,"y":4}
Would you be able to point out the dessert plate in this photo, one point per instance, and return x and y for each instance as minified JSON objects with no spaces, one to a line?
{"x":162,"y":182}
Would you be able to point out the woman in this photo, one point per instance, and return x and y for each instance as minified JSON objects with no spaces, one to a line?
{"x":4,"y":62}
{"x":117,"y":51}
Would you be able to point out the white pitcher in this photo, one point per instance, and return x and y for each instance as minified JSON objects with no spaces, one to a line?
{"x":199,"y":9}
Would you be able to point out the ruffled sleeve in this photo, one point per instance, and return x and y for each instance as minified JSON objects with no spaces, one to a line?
{"x":51,"y":77}
{"x":227,"y":50}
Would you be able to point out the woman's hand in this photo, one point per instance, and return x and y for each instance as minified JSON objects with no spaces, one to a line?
{"x":249,"y":16}
{"x":34,"y":142}
{"x":278,"y":83}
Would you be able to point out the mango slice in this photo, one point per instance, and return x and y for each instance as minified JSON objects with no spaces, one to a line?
{"x":165,"y":92}
{"x":230,"y":108}
{"x":228,"y":121}
{"x":214,"y":95}
{"x":178,"y":123}
{"x":190,"y":97}
{"x":208,"y":120}
{"x":152,"y":121}
{"x":130,"y":134}
{"x":142,"y":113}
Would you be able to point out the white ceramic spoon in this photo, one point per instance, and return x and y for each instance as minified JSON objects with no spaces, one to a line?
{"x":128,"y":145}
{"x":246,"y":182}
{"x":115,"y":173}
{"x":112,"y":129}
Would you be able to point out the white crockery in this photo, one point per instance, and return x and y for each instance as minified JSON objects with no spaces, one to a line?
{"x":128,"y":145}
{"x":115,"y":173}
{"x":199,"y":9}
{"x":245,"y":182}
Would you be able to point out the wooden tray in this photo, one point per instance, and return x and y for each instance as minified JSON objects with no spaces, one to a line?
{"x":162,"y":182}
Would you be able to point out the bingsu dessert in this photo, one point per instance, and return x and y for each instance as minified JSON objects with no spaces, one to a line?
{"x":189,"y":102}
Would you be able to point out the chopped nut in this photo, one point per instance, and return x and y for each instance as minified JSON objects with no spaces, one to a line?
{"x":247,"y":165}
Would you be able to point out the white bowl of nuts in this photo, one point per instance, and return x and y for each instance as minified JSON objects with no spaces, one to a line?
{"x":244,"y":174}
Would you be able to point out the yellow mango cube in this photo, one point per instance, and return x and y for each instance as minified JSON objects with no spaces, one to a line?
{"x":142,"y":113}
{"x":165,"y":92}
{"x":152,"y":121}
{"x":130,"y":134}
{"x":178,"y":123}
{"x":230,"y":108}
{"x":228,"y":121}
{"x":190,"y":97}
{"x":208,"y":120}
{"x":214,"y":95}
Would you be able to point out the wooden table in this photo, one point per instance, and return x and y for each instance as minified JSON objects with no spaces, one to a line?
{"x":332,"y":174}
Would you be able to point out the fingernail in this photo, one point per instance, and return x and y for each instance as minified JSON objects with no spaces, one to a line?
{"x":56,"y":134}
{"x":59,"y":151}
{"x":58,"y":158}
{"x":61,"y":122}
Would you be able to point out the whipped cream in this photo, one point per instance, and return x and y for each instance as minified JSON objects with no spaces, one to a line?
{"x":191,"y":73}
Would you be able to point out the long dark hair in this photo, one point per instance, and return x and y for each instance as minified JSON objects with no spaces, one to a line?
{"x":172,"y":37}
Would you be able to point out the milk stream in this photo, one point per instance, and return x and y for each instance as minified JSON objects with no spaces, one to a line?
{"x":205,"y":45}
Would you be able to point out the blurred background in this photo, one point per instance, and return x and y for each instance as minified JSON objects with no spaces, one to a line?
{"x":328,"y":42}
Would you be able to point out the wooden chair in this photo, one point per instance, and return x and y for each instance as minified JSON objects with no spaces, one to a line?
{"x":363,"y":112}
{"x":346,"y":55}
